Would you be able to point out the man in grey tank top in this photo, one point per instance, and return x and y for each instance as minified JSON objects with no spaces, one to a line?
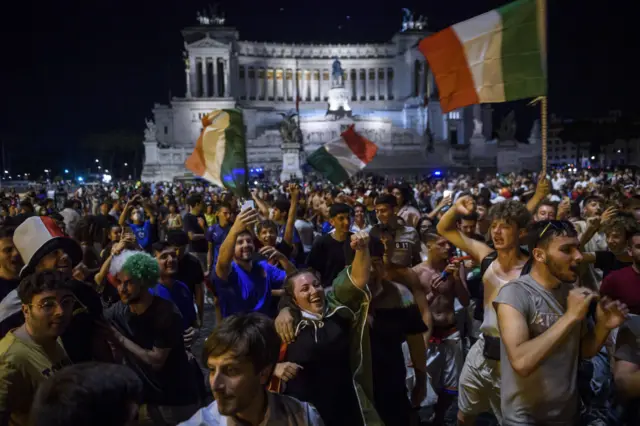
{"x":543,"y":331}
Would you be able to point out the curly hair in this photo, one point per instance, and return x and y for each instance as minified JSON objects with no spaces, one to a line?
{"x":140,"y":266}
{"x":143,"y":268}
{"x":512,"y":212}
{"x":623,"y":222}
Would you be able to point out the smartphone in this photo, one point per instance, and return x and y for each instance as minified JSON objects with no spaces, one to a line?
{"x":249,"y":204}
{"x":447,"y":193}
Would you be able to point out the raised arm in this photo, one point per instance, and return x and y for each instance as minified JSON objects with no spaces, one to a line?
{"x":542,"y":190}
{"x":127,"y":209}
{"x":225,"y":256}
{"x":263,"y":208}
{"x":294,"y":190}
{"x":447,"y":227}
{"x":361,"y":266}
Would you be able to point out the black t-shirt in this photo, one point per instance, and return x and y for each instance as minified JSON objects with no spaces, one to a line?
{"x":78,"y":337}
{"x":159,"y":326}
{"x":608,"y":262}
{"x":191,"y":225}
{"x":190,"y":272}
{"x":7,"y":286}
{"x":329,"y":257}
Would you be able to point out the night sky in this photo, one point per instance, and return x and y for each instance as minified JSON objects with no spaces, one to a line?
{"x":71,"y":69}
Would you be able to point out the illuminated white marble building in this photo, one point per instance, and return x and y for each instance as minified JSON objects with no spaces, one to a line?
{"x":385,"y":86}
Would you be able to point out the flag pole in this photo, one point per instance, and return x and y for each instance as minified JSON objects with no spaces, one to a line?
{"x":544,"y":125}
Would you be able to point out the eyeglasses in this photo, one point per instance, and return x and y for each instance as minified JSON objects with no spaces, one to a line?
{"x":48,"y":306}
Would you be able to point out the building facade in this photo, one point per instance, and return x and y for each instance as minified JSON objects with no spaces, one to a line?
{"x":385,"y":90}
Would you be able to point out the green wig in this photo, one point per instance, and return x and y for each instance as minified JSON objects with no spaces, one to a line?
{"x":143,"y":268}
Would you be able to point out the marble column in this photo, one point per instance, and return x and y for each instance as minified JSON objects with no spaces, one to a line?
{"x":266,"y":84}
{"x":305,"y":85}
{"x":247,"y":86}
{"x":205,"y":79}
{"x":358,"y":83}
{"x":285,"y":84}
{"x":319,"y":96}
{"x":385,"y":85}
{"x":423,"y":89}
{"x":225,"y":70}
{"x":377,"y":80}
{"x":187,"y":72}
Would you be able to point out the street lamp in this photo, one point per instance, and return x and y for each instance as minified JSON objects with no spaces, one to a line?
{"x":99,"y":167}
{"x":126,"y":164}
{"x":6,"y":172}
{"x":66,"y":170}
{"x":97,"y":161}
{"x":106,"y":171}
{"x":593,"y":157}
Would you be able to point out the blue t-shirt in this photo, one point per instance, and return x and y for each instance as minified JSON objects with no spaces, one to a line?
{"x":216,"y":235}
{"x":326,"y":228}
{"x":249,"y":291}
{"x":142,"y":233}
{"x":296,"y":236}
{"x":181,"y":296}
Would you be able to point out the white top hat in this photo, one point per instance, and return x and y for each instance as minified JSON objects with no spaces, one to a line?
{"x":38,"y":236}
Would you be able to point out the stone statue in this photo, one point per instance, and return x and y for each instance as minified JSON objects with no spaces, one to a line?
{"x":507,"y":131}
{"x":187,"y":63}
{"x":477,"y":127}
{"x":337,"y":74}
{"x":408,"y":23}
{"x":213,"y":17}
{"x":289,"y":130}
{"x":150,"y":131}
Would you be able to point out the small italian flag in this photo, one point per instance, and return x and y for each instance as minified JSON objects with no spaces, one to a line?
{"x":495,"y":57}
{"x":342,"y":158}
{"x":220,"y":152}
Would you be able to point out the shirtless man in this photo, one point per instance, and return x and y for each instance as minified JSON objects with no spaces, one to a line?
{"x":442,"y":284}
{"x":479,"y":383}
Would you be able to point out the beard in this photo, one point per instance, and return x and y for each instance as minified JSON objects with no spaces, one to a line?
{"x":562,"y":272}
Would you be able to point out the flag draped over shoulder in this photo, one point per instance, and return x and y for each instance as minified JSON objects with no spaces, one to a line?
{"x":220,"y":152}
{"x":498,"y":56}
{"x":342,"y":158}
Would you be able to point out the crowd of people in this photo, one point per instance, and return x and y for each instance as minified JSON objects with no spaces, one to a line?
{"x":510,"y":299}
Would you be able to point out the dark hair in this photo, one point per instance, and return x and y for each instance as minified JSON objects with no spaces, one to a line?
{"x":338,"y":208}
{"x":7,"y":231}
{"x":97,"y":394}
{"x":266,"y":224}
{"x":223,"y":206}
{"x":362,"y":206}
{"x":407,"y":193}
{"x":622,"y":221}
{"x":541,"y":233}
{"x":251,"y":336}
{"x":547,"y":203}
{"x":194,"y":200}
{"x":177,"y":238}
{"x":386,"y":199}
{"x":282,"y":205}
{"x":69,"y":203}
{"x":160,"y":246}
{"x":36,"y":283}
{"x":471,"y":216}
{"x":26,"y":205}
{"x":512,"y":212}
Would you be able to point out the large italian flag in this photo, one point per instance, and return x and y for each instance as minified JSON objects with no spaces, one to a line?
{"x":342,"y":158}
{"x":495,"y":57}
{"x":220,"y":152}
